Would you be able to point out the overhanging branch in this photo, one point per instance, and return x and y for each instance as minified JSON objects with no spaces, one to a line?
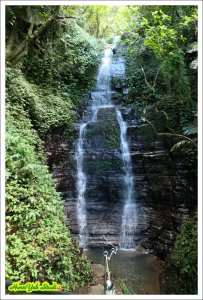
{"x":167,"y":133}
{"x":151,"y":87}
{"x":13,"y":56}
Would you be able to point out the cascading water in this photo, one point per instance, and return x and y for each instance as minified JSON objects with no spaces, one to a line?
{"x":81,"y":187}
{"x":102,"y":94}
{"x":101,"y":99}
{"x":128,"y":226}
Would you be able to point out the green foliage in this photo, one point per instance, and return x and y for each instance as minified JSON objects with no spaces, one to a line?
{"x":125,"y":289}
{"x":68,"y":55}
{"x":138,"y":90}
{"x":189,"y":152}
{"x":47,"y":111}
{"x":100,"y":20}
{"x":38,"y":243}
{"x":158,"y":34}
{"x":44,"y":93}
{"x":175,"y":72}
{"x":113,"y":138}
{"x":184,"y":257}
{"x":160,"y":46}
{"x":187,"y":148}
{"x":179,"y":144}
{"x":103,"y":165}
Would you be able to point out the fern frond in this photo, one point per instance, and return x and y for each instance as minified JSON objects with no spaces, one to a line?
{"x":179,"y":144}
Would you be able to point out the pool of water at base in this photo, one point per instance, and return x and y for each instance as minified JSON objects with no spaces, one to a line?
{"x":139,"y":272}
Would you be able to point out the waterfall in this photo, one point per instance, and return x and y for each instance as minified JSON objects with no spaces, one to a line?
{"x":128,"y":226}
{"x":101,"y":97}
{"x":81,"y":187}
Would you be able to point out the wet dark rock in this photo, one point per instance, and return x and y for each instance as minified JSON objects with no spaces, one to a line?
{"x":163,"y":195}
{"x":164,"y":190}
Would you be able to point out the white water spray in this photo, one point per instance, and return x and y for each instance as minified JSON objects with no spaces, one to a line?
{"x":101,"y":98}
{"x":81,"y":187}
{"x":128,"y":226}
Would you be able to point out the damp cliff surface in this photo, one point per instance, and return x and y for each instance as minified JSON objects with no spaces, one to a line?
{"x":103,"y":168}
{"x":164,"y":193}
{"x":104,"y":178}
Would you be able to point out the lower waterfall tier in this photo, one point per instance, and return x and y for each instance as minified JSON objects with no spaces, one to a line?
{"x":164,"y":193}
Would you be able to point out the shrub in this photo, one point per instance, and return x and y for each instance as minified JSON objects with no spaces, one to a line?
{"x":38,"y":244}
{"x":46,"y":110}
{"x":184,"y":256}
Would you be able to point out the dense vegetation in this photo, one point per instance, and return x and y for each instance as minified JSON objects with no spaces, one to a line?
{"x":160,"y":46}
{"x":52,"y":53}
{"x":39,"y":247}
{"x":44,"y":92}
{"x":161,"y":52}
{"x":184,"y":257}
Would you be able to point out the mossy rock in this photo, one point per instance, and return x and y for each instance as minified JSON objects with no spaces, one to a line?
{"x":105,"y":133}
{"x":101,"y":165}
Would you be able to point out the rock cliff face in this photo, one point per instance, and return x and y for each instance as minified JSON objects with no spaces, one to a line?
{"x":163,"y":192}
{"x":102,"y":164}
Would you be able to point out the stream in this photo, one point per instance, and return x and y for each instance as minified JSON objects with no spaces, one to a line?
{"x":140,"y":273}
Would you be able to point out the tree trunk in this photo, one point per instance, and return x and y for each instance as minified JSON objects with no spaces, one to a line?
{"x":15,"y":52}
{"x":13,"y":56}
{"x":12,"y":39}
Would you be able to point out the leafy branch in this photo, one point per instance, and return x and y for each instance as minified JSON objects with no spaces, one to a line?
{"x":151,"y":87}
{"x":14,"y":52}
{"x":186,"y":138}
